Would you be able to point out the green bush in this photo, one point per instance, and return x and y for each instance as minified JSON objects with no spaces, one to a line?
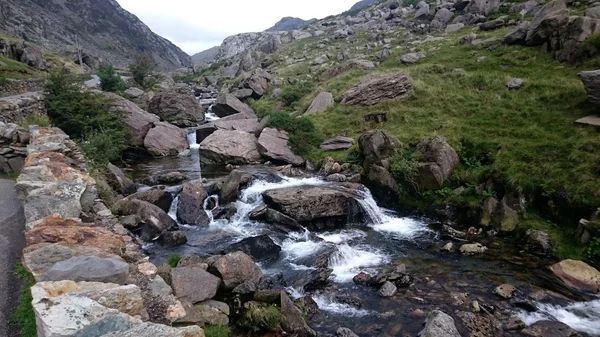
{"x":303,"y":134}
{"x":109,"y":79}
{"x":173,"y":260}
{"x":101,"y":147}
{"x":142,"y":68}
{"x":593,"y":251}
{"x":405,"y":169}
{"x":216,"y":331}
{"x":292,"y":94}
{"x":261,"y":317}
{"x":24,"y":317}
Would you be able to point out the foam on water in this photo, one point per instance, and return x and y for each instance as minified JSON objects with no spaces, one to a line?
{"x":343,"y":236}
{"x":325,"y":303}
{"x":581,"y":316}
{"x":173,"y":209}
{"x":348,"y":261}
{"x":191,"y":137}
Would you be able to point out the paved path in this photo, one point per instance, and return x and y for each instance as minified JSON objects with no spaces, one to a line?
{"x":12,"y":241}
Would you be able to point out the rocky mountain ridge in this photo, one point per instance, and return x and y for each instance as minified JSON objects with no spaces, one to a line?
{"x":105,"y":31}
{"x":289,"y":23}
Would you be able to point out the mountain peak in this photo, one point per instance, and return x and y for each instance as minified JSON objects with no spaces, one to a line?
{"x":289,"y":23}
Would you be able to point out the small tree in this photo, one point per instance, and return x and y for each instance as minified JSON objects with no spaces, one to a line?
{"x":143,"y":66}
{"x":109,"y":79}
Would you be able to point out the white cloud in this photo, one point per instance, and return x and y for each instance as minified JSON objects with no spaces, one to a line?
{"x":196,"y":25}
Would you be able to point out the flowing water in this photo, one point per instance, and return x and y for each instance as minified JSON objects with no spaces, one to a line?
{"x":445,"y":281}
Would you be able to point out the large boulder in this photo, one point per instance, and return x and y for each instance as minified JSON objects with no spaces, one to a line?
{"x":439,"y":324}
{"x":153,"y":221}
{"x":274,"y":144}
{"x":322,"y":102}
{"x":422,"y":12}
{"x":236,"y":180}
{"x":194,"y":284}
{"x":158,"y":196}
{"x":411,"y":58}
{"x":378,"y":145}
{"x":138,"y":121}
{"x":177,"y":106}
{"x":118,"y":181}
{"x":483,"y":7}
{"x":377,"y":88}
{"x":383,"y":185}
{"x":229,"y":105}
{"x":574,"y":34}
{"x":546,"y":25}
{"x":441,"y":18}
{"x":438,"y":160}
{"x":578,"y":276}
{"x":32,"y":56}
{"x":190,"y":209}
{"x":90,"y":269}
{"x":229,"y":147}
{"x":292,"y":320}
{"x":499,"y":215}
{"x":517,"y":35}
{"x":258,"y":82}
{"x":251,"y":124}
{"x":165,"y":139}
{"x":337,"y":143}
{"x":260,"y":248}
{"x":316,"y":205}
{"x":591,"y":82}
{"x":235,"y":269}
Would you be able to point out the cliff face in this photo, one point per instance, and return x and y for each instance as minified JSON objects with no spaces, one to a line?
{"x":106,"y":32}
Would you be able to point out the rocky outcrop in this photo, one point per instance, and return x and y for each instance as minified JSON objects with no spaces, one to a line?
{"x":229,"y":105}
{"x":578,"y":276}
{"x":13,"y":142}
{"x":438,"y":159}
{"x":165,"y":139}
{"x":257,"y":82}
{"x":591,"y":82}
{"x":177,"y":106}
{"x":229,"y":147}
{"x":377,"y":88}
{"x":274,"y":144}
{"x":322,"y":102}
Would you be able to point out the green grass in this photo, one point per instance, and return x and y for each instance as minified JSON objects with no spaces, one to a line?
{"x":173,"y":260}
{"x":261,"y":317}
{"x":564,"y":244}
{"x":216,"y":331}
{"x":17,"y":70}
{"x":24,"y":317}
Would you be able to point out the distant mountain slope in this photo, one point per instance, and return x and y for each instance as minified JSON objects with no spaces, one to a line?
{"x":362,"y":4}
{"x":206,"y":55}
{"x":289,"y":23}
{"x":106,"y":32}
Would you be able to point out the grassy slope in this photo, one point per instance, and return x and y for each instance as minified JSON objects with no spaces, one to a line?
{"x":541,"y":150}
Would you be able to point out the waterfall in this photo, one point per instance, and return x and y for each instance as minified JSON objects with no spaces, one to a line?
{"x":191,"y":137}
{"x":581,"y":316}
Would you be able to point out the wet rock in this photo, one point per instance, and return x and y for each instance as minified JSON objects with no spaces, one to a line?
{"x":322,"y":102}
{"x":172,"y":239}
{"x":345,"y":332}
{"x":448,"y":247}
{"x":473,"y":249}
{"x":350,"y":300}
{"x":377,"y":88}
{"x":439,"y":324}
{"x":158,"y":196}
{"x":177,"y":106}
{"x":235,"y":269}
{"x":336,"y":177}
{"x":395,"y":273}
{"x":310,"y":306}
{"x":538,"y":243}
{"x":505,"y":291}
{"x":88,"y":268}
{"x":480,"y":325}
{"x":169,"y":178}
{"x":438,"y":160}
{"x":310,"y":279}
{"x":260,"y":248}
{"x":577,"y":275}
{"x":383,"y":185}
{"x":550,"y":328}
{"x":165,"y":139}
{"x":228,"y":105}
{"x":236,"y":180}
{"x":229,"y":147}
{"x":451,"y":233}
{"x":153,"y":220}
{"x":190,"y":209}
{"x":281,"y":220}
{"x":118,"y":181}
{"x":274,"y":144}
{"x":411,"y":58}
{"x":292,"y":320}
{"x":388,"y":289}
{"x":591,"y":82}
{"x":194,"y":284}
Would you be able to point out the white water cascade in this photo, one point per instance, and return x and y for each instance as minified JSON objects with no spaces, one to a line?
{"x":581,"y":316}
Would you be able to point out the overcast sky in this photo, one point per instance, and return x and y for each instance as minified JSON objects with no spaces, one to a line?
{"x":196,"y":25}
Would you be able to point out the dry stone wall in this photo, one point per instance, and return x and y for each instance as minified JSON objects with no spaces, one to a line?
{"x":13,"y":147}
{"x":92,"y":278}
{"x":15,"y":109}
{"x":18,"y":87}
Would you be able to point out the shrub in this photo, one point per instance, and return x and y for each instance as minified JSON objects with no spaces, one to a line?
{"x":24,"y":317}
{"x":142,"y":67}
{"x":303,"y":134}
{"x":591,"y":44}
{"x":109,"y":79}
{"x":477,"y":154}
{"x":405,"y":169}
{"x":261,"y":317}
{"x":593,"y":251}
{"x":291,"y":94}
{"x":101,"y":147}
{"x":173,"y":260}
{"x":216,"y":331}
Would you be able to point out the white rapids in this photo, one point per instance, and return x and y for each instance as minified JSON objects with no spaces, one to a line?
{"x":581,"y":316}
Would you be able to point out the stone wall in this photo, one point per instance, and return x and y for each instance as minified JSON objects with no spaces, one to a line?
{"x":13,"y":150}
{"x":18,"y":87}
{"x":92,"y":278}
{"x":15,"y":109}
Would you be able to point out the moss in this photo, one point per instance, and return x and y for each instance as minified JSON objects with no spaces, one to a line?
{"x":216,"y":331}
{"x":24,"y":317}
{"x":261,"y":317}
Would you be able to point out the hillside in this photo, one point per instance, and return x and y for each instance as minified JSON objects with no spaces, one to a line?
{"x":105,"y":31}
{"x":289,"y":23}
{"x":206,"y":55}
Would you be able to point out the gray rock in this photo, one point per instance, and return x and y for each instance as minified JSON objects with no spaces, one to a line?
{"x":538,"y":243}
{"x":118,"y":181}
{"x":438,"y":161}
{"x":378,"y":145}
{"x":153,"y":221}
{"x":229,"y":105}
{"x":207,"y":313}
{"x":337,"y":143}
{"x":345,"y":332}
{"x":319,"y":60}
{"x":190,"y":209}
{"x":274,"y":144}
{"x":422,"y":12}
{"x":90,"y":269}
{"x":322,"y":102}
{"x":258,"y":82}
{"x":138,"y":121}
{"x":336,"y":177}
{"x":454,"y":27}
{"x":134,"y":92}
{"x":374,"y":89}
{"x":514,"y":83}
{"x":593,"y":12}
{"x":591,"y":82}
{"x":439,"y":324}
{"x":158,"y":196}
{"x":172,"y":239}
{"x":260,"y":248}
{"x":441,"y":18}
{"x":242,"y":94}
{"x":194,"y":284}
{"x":235,"y":269}
{"x":292,"y":320}
{"x":411,"y":58}
{"x":547,"y":23}
{"x":383,"y":185}
{"x":165,"y":139}
{"x":472,"y":249}
{"x":229,"y":147}
{"x":158,"y":287}
{"x":234,"y":182}
{"x":388,"y":289}
{"x":550,"y":328}
{"x":518,"y":35}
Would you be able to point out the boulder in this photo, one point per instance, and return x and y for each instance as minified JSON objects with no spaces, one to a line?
{"x":483,"y":7}
{"x":320,"y":60}
{"x":374,"y":89}
{"x":473,"y":249}
{"x":260,"y":248}
{"x":574,"y":37}
{"x":165,"y":139}
{"x":177,"y":106}
{"x":547,"y":23}
{"x":190,"y":209}
{"x":229,"y":147}
{"x":593,"y":12}
{"x":206,"y":313}
{"x":322,"y":102}
{"x":235,"y":269}
{"x":194,"y":284}
{"x":138,"y":121}
{"x":439,"y":324}
{"x":577,"y":275}
{"x":281,"y":220}
{"x":258,"y":83}
{"x":337,"y":143}
{"x":134,"y":92}
{"x":251,"y":125}
{"x":378,"y":145}
{"x":517,"y":35}
{"x":172,"y":239}
{"x":388,"y":289}
{"x":411,"y":58}
{"x":235,"y":181}
{"x":32,"y":56}
{"x":550,"y":328}
{"x":154,"y":330}
{"x":514,"y":83}
{"x":153,"y":221}
{"x":229,"y":105}
{"x":441,"y":18}
{"x":422,"y":12}
{"x":437,"y":161}
{"x":242,"y":94}
{"x":505,"y":291}
{"x":454,"y":27}
{"x":591,"y":82}
{"x":118,"y":181}
{"x":169,"y":178}
{"x":90,"y":269}
{"x":315,"y":204}
{"x":383,"y":185}
{"x":345,"y":332}
{"x":292,"y":320}
{"x":158,"y":196}
{"x":274,"y":144}
{"x":538,"y":243}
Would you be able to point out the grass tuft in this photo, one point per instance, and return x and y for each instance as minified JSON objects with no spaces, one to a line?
{"x":24,"y":317}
